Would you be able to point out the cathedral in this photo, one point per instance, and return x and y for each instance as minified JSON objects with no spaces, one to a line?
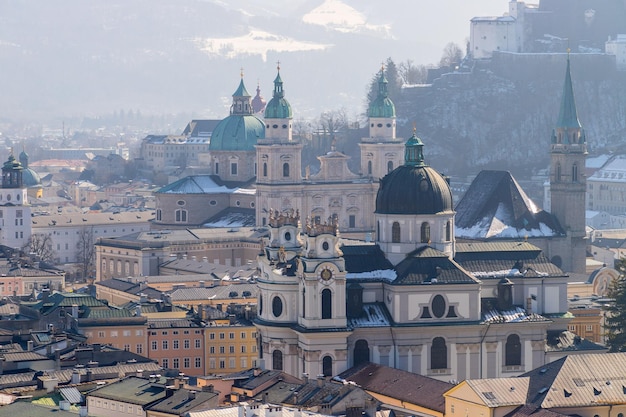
{"x":415,"y":297}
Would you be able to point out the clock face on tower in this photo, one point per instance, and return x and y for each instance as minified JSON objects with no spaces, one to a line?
{"x":326,"y":274}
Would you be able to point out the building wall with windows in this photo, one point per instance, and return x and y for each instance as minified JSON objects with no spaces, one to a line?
{"x":142,"y":253}
{"x":128,"y":334}
{"x":177,"y":344}
{"x":230,"y":347}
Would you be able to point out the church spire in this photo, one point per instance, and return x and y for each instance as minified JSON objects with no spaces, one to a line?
{"x":568,"y":116}
{"x":242,"y":103}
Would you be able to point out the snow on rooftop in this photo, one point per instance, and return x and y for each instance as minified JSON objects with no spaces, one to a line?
{"x":497,"y":228}
{"x":386,"y":274}
{"x":514,"y":272}
{"x":517,"y":314}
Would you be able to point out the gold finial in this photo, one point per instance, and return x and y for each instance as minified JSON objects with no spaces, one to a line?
{"x":382,"y":66}
{"x":414,"y":128}
{"x":278,"y":66}
{"x":241,"y":72}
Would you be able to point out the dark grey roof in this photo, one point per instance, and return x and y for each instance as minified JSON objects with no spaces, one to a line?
{"x":183,"y":401}
{"x":29,"y":409}
{"x":567,"y":341}
{"x":131,"y":390}
{"x":406,"y":386}
{"x":487,"y":260}
{"x":494,"y":199}
{"x":427,"y":265}
{"x":233,"y":217}
{"x":364,"y":258}
{"x":200,"y":127}
{"x":413,"y":190}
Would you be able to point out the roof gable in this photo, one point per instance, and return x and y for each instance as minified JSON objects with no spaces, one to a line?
{"x":495,"y":206}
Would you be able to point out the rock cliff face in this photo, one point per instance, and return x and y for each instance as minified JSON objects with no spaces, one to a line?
{"x":500,"y":114}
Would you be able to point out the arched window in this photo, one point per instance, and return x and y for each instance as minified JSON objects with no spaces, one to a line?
{"x":389,"y":166}
{"x":327,"y":304}
{"x":425,"y":232}
{"x":158,"y":215}
{"x":448,"y":231}
{"x":369,"y":167}
{"x":265,"y":169}
{"x":303,"y":302}
{"x":285,"y":169}
{"x":575,"y":173}
{"x":277,"y":306}
{"x":277,"y":360}
{"x":513,"y":355}
{"x":327,"y":366}
{"x":438,"y":354}
{"x":181,"y":216}
{"x":217,"y":168}
{"x":395,"y":232}
{"x":558,"y":172}
{"x":361,"y":352}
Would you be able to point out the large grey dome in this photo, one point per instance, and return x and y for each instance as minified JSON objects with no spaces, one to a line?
{"x":413,"y":188}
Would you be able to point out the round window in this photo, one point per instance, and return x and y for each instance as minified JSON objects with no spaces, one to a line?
{"x":277,"y":306}
{"x":274,"y":126}
{"x":439,"y":306}
{"x":284,"y":126}
{"x":325,"y":245}
{"x":252,"y":204}
{"x":287,"y":236}
{"x":237,"y":203}
{"x":180,"y":202}
{"x":212,"y":202}
{"x":388,"y":124}
{"x":379,"y":125}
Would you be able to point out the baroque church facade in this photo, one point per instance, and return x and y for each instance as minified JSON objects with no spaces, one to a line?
{"x":334,"y":191}
{"x":416,"y":298}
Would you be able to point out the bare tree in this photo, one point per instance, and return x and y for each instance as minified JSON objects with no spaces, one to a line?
{"x":452,"y":54}
{"x":86,"y":251}
{"x":411,"y":73}
{"x":332,"y":123}
{"x":40,"y":244}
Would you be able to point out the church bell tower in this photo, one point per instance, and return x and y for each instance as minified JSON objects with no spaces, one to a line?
{"x":568,"y":184}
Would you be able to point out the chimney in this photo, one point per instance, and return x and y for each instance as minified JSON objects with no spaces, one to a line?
{"x":89,"y":375}
{"x":232,"y":319}
{"x":138,"y":310}
{"x":241,"y":410}
{"x":201,"y":283}
{"x":184,"y":256}
{"x":320,"y":380}
{"x":45,"y":293}
{"x":139,"y":373}
{"x":256,"y":372}
{"x":205,"y":259}
{"x":191,"y":395}
{"x":305,"y":376}
{"x":193,"y":258}
{"x":57,"y":359}
{"x":29,"y":345}
{"x":75,"y":311}
{"x":97,"y":347}
{"x":82,"y":411}
{"x":75,"y":377}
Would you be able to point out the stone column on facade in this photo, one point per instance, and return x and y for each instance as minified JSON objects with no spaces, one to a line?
{"x":492,"y":359}
{"x":461,"y":361}
{"x":384,"y":355}
{"x":474,"y":361}
{"x":416,"y":359}
{"x":538,"y":354}
{"x":403,"y":353}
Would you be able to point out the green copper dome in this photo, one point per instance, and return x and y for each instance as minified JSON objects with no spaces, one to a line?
{"x":414,"y":151}
{"x":382,"y":106}
{"x":241,"y":130}
{"x":278,"y":107}
{"x":237,"y":133}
